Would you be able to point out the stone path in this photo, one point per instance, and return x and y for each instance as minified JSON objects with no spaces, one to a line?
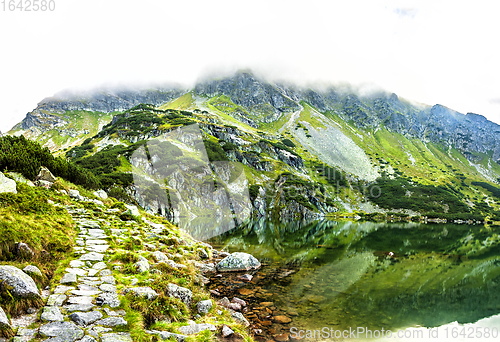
{"x":83,"y":306}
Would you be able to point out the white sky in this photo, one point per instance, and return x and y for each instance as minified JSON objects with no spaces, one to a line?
{"x":429,"y":51}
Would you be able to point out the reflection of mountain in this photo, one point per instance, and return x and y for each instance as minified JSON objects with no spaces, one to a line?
{"x":351,"y":279}
{"x":206,"y":199}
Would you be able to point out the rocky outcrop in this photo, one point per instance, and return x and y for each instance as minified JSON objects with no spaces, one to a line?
{"x":180,"y":292}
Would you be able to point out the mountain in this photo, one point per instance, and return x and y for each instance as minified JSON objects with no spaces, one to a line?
{"x":304,"y":150}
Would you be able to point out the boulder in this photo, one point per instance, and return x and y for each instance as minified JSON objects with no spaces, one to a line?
{"x":46,"y":175}
{"x":17,"y":282}
{"x":24,"y":251}
{"x":101,"y":194}
{"x":159,"y":256}
{"x":74,"y":193}
{"x":51,"y":314}
{"x":116,"y":337}
{"x":227,"y":331}
{"x":204,"y":306}
{"x":238,"y":316}
{"x":132,"y":210}
{"x":238,"y":261}
{"x":32,"y":271}
{"x":180,"y":292}
{"x":141,"y":266}
{"x":144,"y":292}
{"x":7,"y":184}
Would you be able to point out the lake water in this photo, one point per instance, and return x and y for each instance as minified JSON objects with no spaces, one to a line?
{"x":333,"y":276}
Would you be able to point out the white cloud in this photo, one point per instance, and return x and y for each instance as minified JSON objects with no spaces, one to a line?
{"x":432,"y":52}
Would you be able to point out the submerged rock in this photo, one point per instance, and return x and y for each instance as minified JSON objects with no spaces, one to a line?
{"x":238,"y":261}
{"x":17,"y":282}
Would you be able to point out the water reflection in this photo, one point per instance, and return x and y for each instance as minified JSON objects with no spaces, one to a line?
{"x":374,"y":275}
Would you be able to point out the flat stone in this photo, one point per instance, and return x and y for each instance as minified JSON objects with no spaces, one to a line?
{"x":108,"y":298}
{"x":80,"y":300}
{"x":92,"y":273}
{"x":68,"y":278}
{"x":92,"y":256}
{"x":63,"y":289}
{"x":78,"y":307}
{"x":196,"y":328}
{"x":51,"y":314}
{"x":65,"y":331}
{"x":88,"y":338}
{"x":96,"y":242}
{"x":99,"y":266}
{"x":107,"y":288}
{"x":76,"y":263}
{"x":112,"y":322}
{"x":116,"y":337}
{"x":98,"y":248}
{"x":77,"y":271}
{"x":19,"y":283}
{"x":109,"y":280}
{"x":105,"y":273}
{"x":85,"y":292}
{"x":56,"y":300}
{"x":115,"y":313}
{"x":85,"y":318}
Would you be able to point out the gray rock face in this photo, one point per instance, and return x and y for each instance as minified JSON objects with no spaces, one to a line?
{"x":85,"y":318}
{"x":144,"y":292}
{"x":238,"y":262}
{"x":7,"y":184}
{"x":64,"y":331}
{"x":196,"y":328}
{"x":17,"y":282}
{"x":204,"y":306}
{"x":182,"y":293}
